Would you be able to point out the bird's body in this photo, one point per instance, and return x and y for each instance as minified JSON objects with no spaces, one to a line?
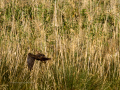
{"x":31,"y":58}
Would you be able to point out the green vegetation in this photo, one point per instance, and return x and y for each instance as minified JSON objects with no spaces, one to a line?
{"x":80,"y":36}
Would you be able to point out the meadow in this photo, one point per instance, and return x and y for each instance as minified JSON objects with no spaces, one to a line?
{"x":80,"y":36}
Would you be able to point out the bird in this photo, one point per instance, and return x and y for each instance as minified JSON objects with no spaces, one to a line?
{"x":31,"y":59}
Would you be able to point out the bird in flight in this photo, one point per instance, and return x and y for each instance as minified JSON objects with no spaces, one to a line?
{"x":31,"y":58}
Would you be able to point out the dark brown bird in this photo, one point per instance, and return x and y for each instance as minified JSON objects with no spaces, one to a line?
{"x":31,"y":58}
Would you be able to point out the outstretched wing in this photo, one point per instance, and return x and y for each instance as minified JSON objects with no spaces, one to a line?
{"x":30,"y":61}
{"x":41,"y":57}
{"x":45,"y":59}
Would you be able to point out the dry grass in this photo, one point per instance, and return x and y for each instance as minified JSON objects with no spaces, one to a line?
{"x":81,"y":37}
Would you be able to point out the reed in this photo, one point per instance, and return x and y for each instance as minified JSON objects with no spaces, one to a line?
{"x":80,"y":37}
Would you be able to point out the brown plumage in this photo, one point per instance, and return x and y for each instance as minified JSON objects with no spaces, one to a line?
{"x":31,"y":58}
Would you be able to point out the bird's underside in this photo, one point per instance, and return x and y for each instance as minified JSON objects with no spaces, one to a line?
{"x":31,"y":58}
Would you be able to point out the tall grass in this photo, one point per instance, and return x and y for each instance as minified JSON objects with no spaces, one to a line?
{"x":80,"y":36}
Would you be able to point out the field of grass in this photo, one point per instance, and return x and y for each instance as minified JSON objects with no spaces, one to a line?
{"x":80,"y":36}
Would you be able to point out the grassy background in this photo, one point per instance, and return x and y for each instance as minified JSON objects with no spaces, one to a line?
{"x":81,"y":37}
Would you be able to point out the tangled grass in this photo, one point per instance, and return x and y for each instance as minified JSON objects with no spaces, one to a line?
{"x":81,"y":37}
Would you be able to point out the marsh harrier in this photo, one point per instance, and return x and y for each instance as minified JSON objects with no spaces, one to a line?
{"x":31,"y":58}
